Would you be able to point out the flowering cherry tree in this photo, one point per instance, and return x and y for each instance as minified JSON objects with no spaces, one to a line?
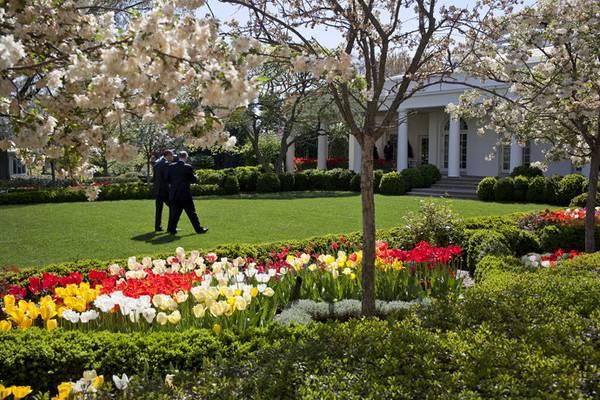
{"x":67,"y":69}
{"x":417,"y":32}
{"x":549,"y":57}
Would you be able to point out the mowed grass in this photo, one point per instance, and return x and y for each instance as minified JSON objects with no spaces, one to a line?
{"x":39,"y":234}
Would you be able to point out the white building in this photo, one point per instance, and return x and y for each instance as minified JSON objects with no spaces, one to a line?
{"x":426,"y":132}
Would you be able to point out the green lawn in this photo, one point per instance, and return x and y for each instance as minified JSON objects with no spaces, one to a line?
{"x":44,"y":233}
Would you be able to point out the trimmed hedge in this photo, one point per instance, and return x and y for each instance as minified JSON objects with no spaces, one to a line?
{"x":504,"y":189}
{"x":413,"y":178}
{"x":485,"y":189}
{"x":392,"y":183}
{"x":527,"y":171}
{"x":268,"y":183}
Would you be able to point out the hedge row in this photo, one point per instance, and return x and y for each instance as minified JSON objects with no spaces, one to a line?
{"x":514,"y":335}
{"x":537,"y":189}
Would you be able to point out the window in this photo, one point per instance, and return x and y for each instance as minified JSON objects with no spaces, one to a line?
{"x":17,"y":167}
{"x":527,"y":153}
{"x":505,"y":157}
{"x":463,"y":143}
{"x":424,"y":159}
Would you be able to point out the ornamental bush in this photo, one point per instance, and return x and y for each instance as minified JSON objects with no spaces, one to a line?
{"x":287,"y":181}
{"x":581,"y":200}
{"x":301,"y":181}
{"x":267,"y":183}
{"x":231,"y":184}
{"x":485,"y":242}
{"x":247,"y":177}
{"x":571,"y":186}
{"x":430,"y":173}
{"x":535,"y":190}
{"x":319,"y":179}
{"x":413,"y":178}
{"x":340,"y":178}
{"x":393,"y":184}
{"x":355,"y":183}
{"x":527,"y":171}
{"x":377,"y":175}
{"x":521,"y":186}
{"x":551,"y":189}
{"x":485,"y":189}
{"x":504,"y":189}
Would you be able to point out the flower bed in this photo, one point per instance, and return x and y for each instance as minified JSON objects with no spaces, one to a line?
{"x":547,"y":260}
{"x":188,"y":290}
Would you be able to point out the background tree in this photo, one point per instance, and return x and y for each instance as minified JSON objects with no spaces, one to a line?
{"x":416,"y":30}
{"x":548,"y":56}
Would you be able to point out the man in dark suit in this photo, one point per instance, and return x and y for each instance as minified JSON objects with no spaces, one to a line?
{"x":160,"y":187}
{"x":179,"y":176}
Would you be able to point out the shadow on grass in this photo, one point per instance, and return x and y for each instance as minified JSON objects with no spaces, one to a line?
{"x":282,"y":195}
{"x":158,"y":237}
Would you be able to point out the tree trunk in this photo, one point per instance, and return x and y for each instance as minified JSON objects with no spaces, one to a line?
{"x":280,"y":163}
{"x":258,"y":154}
{"x":4,"y":166}
{"x":368,"y":239}
{"x":53,"y":170}
{"x":590,"y":205}
{"x":148,"y":170}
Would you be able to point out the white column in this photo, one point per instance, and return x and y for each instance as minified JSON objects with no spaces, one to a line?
{"x":322,"y":150}
{"x":354,"y":154}
{"x":454,"y":147}
{"x":516,"y":154}
{"x":290,"y":155}
{"x":402,"y":160}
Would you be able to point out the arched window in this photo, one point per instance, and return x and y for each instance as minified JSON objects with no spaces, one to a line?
{"x":463,"y":143}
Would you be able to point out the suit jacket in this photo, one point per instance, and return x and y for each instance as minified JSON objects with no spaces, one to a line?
{"x":180,"y":176}
{"x":160,"y":187}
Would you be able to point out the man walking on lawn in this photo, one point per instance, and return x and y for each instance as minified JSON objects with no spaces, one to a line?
{"x":180,"y":176}
{"x":160,"y":187}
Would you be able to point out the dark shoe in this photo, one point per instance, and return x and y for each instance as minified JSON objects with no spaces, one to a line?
{"x":202,"y":230}
{"x":159,"y":229}
{"x":174,"y":232}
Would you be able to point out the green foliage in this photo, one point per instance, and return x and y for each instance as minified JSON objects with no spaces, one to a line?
{"x":268,"y":146}
{"x":318,"y":179}
{"x":355,"y":183}
{"x":377,"y":175}
{"x":268,"y":183}
{"x":494,"y":263}
{"x":521,"y":186}
{"x":581,"y":200}
{"x":287,"y":182}
{"x":535,"y":190}
{"x":484,"y":242}
{"x":42,"y":196}
{"x":392,"y":183}
{"x":436,"y":223}
{"x":571,"y":186}
{"x":430,"y":173}
{"x":231,"y":184}
{"x":413,"y":178}
{"x":301,"y":181}
{"x":526,"y":171}
{"x":503,"y":189}
{"x":551,"y":189}
{"x":340,"y":178}
{"x":485,"y":189}
{"x":247,"y":177}
{"x":569,"y":237}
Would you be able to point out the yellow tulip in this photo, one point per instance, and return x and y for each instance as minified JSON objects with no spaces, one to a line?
{"x":174,"y":317}
{"x":51,"y":324}
{"x":352,"y":276}
{"x":98,"y":381}
{"x":5,"y":326}
{"x":4,"y":391}
{"x":9,"y":301}
{"x":217,"y":328}
{"x":269,"y":292}
{"x":47,"y":310}
{"x":161,"y":318}
{"x":240,"y":303}
{"x":33,"y":310}
{"x":199,"y":310}
{"x":64,"y":390}
{"x":254,"y":292}
{"x":19,"y":392}
{"x":25,"y":323}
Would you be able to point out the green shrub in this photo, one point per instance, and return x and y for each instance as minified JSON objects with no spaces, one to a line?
{"x":267,"y":183}
{"x":504,"y":189}
{"x":535,"y":190}
{"x":581,"y":200}
{"x":567,"y":237}
{"x":521,"y":186}
{"x":485,"y":242}
{"x":430,"y":173}
{"x":494,"y":263}
{"x":436,"y":223}
{"x":231,"y":184}
{"x":340,"y":178}
{"x":247,"y":177}
{"x":355,"y":183}
{"x":301,"y":181}
{"x":571,"y":186}
{"x":392,"y":183}
{"x":205,"y":190}
{"x":319,"y":179}
{"x":287,"y":181}
{"x":413,"y":178}
{"x":526,"y":171}
{"x":551,"y":189}
{"x":377,"y":175}
{"x":485,"y":189}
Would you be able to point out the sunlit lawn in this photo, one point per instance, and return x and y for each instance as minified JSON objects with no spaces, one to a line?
{"x":40,"y":234}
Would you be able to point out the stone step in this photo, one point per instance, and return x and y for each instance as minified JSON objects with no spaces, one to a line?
{"x":450,"y":185}
{"x":452,"y":195}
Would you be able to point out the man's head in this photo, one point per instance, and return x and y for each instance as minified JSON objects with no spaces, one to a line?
{"x":183,"y":156}
{"x":168,"y":154}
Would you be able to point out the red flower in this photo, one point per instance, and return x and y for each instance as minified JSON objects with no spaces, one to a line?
{"x":334,"y":246}
{"x":49,"y":281}
{"x":35,"y":284}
